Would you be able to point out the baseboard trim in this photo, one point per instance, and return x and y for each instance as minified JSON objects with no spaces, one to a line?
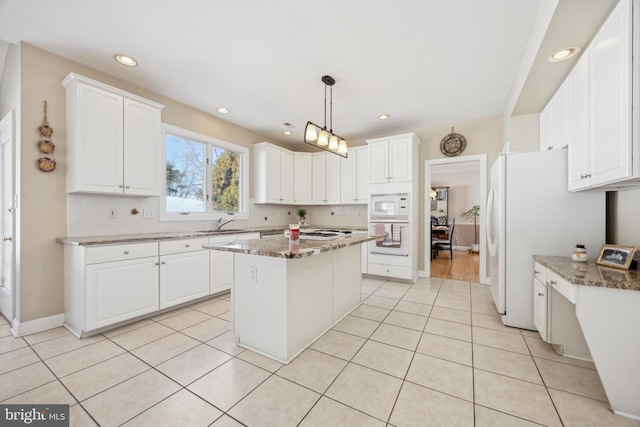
{"x":19,"y":329}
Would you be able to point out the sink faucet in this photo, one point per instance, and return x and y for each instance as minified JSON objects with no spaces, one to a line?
{"x":221,"y":223}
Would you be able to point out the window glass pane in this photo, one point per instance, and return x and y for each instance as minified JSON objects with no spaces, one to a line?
{"x":185,"y":175}
{"x":225,"y":180}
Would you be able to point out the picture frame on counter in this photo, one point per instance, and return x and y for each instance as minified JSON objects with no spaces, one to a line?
{"x":616,"y":256}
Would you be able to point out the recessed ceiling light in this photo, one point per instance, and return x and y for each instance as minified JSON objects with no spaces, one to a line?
{"x":222,"y":110}
{"x":287,"y":132}
{"x":563,"y":54}
{"x":125,"y":60}
{"x":384,"y":116}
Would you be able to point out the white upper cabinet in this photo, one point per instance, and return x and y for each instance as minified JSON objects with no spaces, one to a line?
{"x":273,"y":170}
{"x":302,"y":167}
{"x":326,"y":178}
{"x":391,"y":158}
{"x":354,"y":177}
{"x":554,"y":133}
{"x":114,"y":142}
{"x":604,"y":147}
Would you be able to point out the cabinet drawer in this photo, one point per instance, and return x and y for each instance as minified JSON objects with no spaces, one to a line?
{"x":390,"y":271}
{"x":97,"y":254}
{"x":182,"y":245}
{"x":565,"y":288}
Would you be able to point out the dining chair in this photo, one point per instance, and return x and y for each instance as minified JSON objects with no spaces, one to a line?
{"x":446,"y":243}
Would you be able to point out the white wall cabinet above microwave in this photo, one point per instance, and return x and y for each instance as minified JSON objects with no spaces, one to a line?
{"x":603,"y":128}
{"x":114,"y":142}
{"x":391,"y":159}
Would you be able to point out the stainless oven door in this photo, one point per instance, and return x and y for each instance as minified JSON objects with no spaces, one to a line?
{"x":396,"y":241}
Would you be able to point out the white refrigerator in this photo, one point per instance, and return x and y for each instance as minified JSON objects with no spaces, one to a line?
{"x":531,"y":212}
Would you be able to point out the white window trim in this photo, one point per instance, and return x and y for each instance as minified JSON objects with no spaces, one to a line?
{"x":198,"y":137}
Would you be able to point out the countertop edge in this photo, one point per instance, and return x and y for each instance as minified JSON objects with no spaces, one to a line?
{"x":590,"y":274}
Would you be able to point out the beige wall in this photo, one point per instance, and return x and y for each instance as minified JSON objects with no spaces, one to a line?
{"x":525,"y":133}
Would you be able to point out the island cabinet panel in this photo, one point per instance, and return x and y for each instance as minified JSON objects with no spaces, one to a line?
{"x":281,"y":305}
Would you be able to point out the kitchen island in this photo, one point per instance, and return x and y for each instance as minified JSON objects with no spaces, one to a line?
{"x":286,"y":294}
{"x":605,"y":303}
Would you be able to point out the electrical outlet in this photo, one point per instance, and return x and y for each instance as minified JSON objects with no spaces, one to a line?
{"x":113,"y":213}
{"x":148,"y":213}
{"x":253,"y":274}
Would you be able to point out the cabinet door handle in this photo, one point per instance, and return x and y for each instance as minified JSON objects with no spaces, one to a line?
{"x":157,"y":263}
{"x":552,"y":282}
{"x":186,"y":246}
{"x":126,"y":252}
{"x":588,"y":175}
{"x":163,"y":262}
{"x":121,"y":186}
{"x":127,"y":186}
{"x":536,"y":272}
{"x":540,"y":294}
{"x":550,"y":147}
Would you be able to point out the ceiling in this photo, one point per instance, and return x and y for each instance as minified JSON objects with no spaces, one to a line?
{"x":423,"y":62}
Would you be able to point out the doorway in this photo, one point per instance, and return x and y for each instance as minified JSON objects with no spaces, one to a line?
{"x":7,"y":212}
{"x":477,"y":163}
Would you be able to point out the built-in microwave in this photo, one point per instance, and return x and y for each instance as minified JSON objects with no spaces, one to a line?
{"x":389,"y":207}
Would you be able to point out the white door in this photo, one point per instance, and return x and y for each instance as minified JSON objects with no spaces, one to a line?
{"x":7,"y":285}
{"x":141,"y":149}
{"x":400,"y":160}
{"x":319,"y":179}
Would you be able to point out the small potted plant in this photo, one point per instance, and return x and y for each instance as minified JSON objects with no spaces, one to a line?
{"x":302,"y":213}
{"x":473,"y":213}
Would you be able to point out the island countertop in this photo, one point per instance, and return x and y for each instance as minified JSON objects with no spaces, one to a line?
{"x":590,"y":274}
{"x":282,"y":247}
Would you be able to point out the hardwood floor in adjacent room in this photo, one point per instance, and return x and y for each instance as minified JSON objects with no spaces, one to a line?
{"x":464,"y":266}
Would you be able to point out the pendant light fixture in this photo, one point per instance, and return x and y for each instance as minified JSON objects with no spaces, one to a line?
{"x":321,"y":137}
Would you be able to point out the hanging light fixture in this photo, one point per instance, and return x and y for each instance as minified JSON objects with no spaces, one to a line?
{"x":321,"y":137}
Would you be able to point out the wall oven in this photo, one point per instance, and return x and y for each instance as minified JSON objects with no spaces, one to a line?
{"x":389,"y":219}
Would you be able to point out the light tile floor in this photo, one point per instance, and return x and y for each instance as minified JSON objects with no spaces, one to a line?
{"x":433,"y":353}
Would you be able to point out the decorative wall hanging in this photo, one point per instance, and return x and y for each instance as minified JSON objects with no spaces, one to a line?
{"x":45,"y":145}
{"x":453,"y":144}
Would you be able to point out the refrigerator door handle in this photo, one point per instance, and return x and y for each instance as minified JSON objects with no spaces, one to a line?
{"x":491,"y":238}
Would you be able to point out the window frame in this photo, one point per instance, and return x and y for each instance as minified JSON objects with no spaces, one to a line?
{"x":243,"y":185}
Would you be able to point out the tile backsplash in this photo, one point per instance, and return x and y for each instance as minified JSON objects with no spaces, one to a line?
{"x":90,"y":215}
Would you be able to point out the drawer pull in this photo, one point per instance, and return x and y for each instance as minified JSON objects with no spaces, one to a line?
{"x":540,"y":294}
{"x":126,"y":252}
{"x":163,"y":262}
{"x":552,"y":282}
{"x":186,"y":246}
{"x":536,"y":272}
{"x":157,"y":263}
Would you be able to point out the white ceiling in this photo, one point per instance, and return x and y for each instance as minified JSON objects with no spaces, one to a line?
{"x":421,"y":61}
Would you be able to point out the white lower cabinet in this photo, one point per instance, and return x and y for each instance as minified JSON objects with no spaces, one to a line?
{"x":554,"y":313}
{"x":184,"y":271}
{"x":109,"y":284}
{"x":120,"y":290}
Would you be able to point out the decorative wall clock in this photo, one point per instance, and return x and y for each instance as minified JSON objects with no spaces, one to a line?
{"x":453,"y":144}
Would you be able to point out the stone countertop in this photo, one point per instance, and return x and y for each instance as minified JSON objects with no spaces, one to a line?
{"x":147,"y":237}
{"x":591,"y":274}
{"x":281,"y":247}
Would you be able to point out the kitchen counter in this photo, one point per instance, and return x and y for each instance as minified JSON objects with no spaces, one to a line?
{"x":145,"y":237}
{"x":591,"y":274}
{"x":286,"y":294}
{"x":282,"y":247}
{"x":606,"y":308}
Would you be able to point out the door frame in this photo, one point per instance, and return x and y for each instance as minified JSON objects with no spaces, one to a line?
{"x":7,"y":124}
{"x":481,"y":160}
